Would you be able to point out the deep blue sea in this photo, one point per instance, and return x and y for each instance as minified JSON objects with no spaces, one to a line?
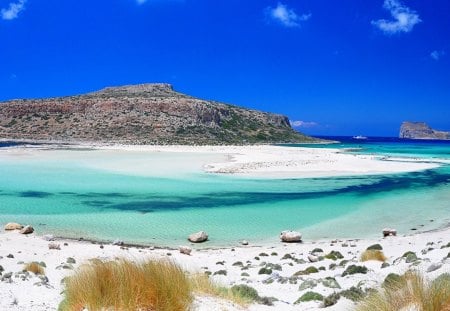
{"x":93,"y":194}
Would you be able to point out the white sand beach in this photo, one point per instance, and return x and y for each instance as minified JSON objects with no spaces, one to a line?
{"x":241,"y":263}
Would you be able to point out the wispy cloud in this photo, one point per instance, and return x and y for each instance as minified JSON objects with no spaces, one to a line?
{"x":286,"y":16}
{"x":141,"y":1}
{"x":303,"y":124}
{"x":436,"y":55}
{"x":404,"y":19}
{"x":13,"y":10}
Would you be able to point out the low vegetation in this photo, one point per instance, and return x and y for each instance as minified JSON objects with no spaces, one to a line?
{"x":240,"y":294}
{"x":373,"y":254}
{"x":34,"y":267}
{"x":150,"y":285}
{"x":411,"y":291}
{"x":127,"y":285}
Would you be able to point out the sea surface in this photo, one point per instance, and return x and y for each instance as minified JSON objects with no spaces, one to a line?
{"x":91,"y":194}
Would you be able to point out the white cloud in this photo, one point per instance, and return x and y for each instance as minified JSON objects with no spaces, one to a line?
{"x":436,"y":55}
{"x":404,"y":19}
{"x":286,"y":16}
{"x":13,"y":10}
{"x":304,"y":124}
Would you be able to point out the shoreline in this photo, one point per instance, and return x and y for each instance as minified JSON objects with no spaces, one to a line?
{"x":264,"y":161}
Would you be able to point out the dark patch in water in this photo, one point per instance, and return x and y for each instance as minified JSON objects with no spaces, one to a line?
{"x":424,"y":179}
{"x":96,"y":203}
{"x":35,"y":194}
{"x":102,"y":195}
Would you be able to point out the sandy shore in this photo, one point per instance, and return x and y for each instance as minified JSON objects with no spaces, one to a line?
{"x":32,"y":293}
{"x":251,"y":161}
{"x":287,"y":162}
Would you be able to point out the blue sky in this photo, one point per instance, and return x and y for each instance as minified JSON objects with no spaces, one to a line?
{"x":333,"y":67}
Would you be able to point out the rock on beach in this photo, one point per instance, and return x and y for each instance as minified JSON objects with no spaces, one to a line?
{"x":198,"y":237}
{"x":13,"y":226}
{"x":27,"y":230}
{"x":290,"y":236}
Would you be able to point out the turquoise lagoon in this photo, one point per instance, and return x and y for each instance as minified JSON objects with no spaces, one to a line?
{"x":155,"y":199}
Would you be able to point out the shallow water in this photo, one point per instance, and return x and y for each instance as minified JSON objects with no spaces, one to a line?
{"x":154,"y":198}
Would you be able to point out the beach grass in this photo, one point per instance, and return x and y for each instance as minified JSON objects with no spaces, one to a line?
{"x":373,"y":254}
{"x":34,"y":267}
{"x":412,"y":291}
{"x":239,"y":294}
{"x":127,"y":285}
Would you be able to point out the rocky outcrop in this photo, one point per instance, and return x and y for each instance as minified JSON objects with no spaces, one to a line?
{"x":421,"y":130}
{"x":141,"y":114}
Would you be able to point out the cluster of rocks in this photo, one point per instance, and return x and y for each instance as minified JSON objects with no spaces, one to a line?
{"x":11,"y":226}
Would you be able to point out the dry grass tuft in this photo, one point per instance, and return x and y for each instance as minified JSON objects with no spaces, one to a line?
{"x":373,"y":254}
{"x":201,"y":283}
{"x":34,"y":267}
{"x":411,"y":292}
{"x":126,"y":285}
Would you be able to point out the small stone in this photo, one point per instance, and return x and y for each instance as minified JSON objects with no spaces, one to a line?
{"x":313,"y":258}
{"x":54,"y":246}
{"x":71,"y":260}
{"x":244,"y":242}
{"x":185,"y":250}
{"x":7,"y":276}
{"x":10,"y":256}
{"x":48,"y":237}
{"x":117,"y":242}
{"x":27,"y":230}
{"x":434,"y":267}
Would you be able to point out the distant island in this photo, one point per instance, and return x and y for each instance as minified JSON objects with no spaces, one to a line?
{"x":421,"y":130}
{"x":150,"y":113}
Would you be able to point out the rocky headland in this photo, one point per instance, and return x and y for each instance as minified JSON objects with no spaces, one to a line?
{"x":141,"y":114}
{"x":421,"y":130}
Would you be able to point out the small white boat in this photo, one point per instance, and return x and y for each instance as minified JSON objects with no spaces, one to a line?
{"x":359,"y":137}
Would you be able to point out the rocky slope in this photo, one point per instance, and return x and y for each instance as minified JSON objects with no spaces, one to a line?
{"x":141,"y":114}
{"x":421,"y":130}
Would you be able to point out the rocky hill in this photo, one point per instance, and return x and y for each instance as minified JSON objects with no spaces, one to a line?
{"x":421,"y":130}
{"x":141,"y":114}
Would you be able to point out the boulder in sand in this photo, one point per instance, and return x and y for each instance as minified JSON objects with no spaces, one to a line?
{"x":27,"y":230}
{"x":198,"y":237}
{"x":290,"y":236}
{"x":13,"y":226}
